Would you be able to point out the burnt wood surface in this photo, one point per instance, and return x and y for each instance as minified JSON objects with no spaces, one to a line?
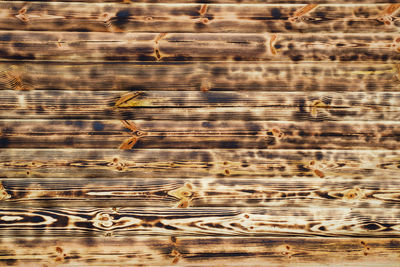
{"x":203,"y":133}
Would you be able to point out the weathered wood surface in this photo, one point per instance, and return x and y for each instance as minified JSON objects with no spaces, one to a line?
{"x":307,"y":222}
{"x":195,"y":18}
{"x":98,"y":46}
{"x":204,"y":133}
{"x":210,"y":76}
{"x":335,"y":165}
{"x":209,"y":251}
{"x":204,"y":192}
{"x":189,"y":105}
{"x":200,"y":134}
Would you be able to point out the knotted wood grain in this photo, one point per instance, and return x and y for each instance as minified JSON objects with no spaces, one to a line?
{"x":221,"y":105}
{"x":283,"y":222}
{"x":172,"y":17}
{"x":200,"y":134}
{"x":96,"y":46}
{"x":199,"y":251}
{"x":209,"y":76}
{"x":299,"y":192}
{"x":335,"y":165}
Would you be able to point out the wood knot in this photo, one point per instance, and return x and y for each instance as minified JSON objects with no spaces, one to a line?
{"x":317,"y":104}
{"x":353,"y":194}
{"x":176,"y":254}
{"x":277,"y":133}
{"x":366,"y":248}
{"x":103,"y":220}
{"x":136,"y":135}
{"x":131,"y":99}
{"x":285,"y":250}
{"x":387,"y":15}
{"x":61,"y":255}
{"x":298,"y":15}
{"x":203,"y":10}
{"x":185,"y":194}
{"x":119,"y":165}
{"x":315,"y":167}
{"x":22,"y":16}
{"x":3,"y":193}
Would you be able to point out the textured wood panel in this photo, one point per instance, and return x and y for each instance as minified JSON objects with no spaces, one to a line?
{"x":195,"y":18}
{"x":87,"y":221}
{"x":97,"y":46}
{"x":199,"y":134}
{"x":204,"y":192}
{"x":221,"y":105}
{"x":204,"y":133}
{"x":211,"y":251}
{"x":210,"y":76}
{"x":335,"y":165}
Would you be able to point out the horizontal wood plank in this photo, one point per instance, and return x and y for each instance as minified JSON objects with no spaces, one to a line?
{"x":209,"y":76}
{"x":203,"y":192}
{"x":222,"y":105}
{"x":340,"y":165}
{"x":198,"y":134}
{"x":128,"y":2}
{"x":201,"y":251}
{"x":135,"y":17}
{"x":283,"y":222}
{"x":96,"y":46}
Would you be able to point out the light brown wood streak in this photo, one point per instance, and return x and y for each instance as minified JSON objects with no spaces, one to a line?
{"x":96,"y":46}
{"x":84,"y":221}
{"x":238,"y":76}
{"x":241,"y":163}
{"x":201,"y":134}
{"x":299,"y":192}
{"x":118,"y":17}
{"x":216,"y":251}
{"x":252,"y":106}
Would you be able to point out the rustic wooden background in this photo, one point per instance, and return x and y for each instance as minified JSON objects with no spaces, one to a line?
{"x":216,"y":132}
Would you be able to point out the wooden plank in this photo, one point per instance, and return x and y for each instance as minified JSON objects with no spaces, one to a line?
{"x":199,"y":251}
{"x":339,"y":165}
{"x":222,"y":105}
{"x":257,"y":18}
{"x":83,"y":46}
{"x":210,"y":76}
{"x":129,"y":2}
{"x":283,"y":222}
{"x":203,"y":192}
{"x":199,"y":134}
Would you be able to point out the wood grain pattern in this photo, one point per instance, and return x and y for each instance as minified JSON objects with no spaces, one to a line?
{"x":221,"y":105}
{"x":209,"y":76}
{"x":204,"y":133}
{"x":200,"y":134}
{"x":286,"y":222}
{"x":97,"y":46}
{"x":204,"y":192}
{"x":197,"y":18}
{"x":200,"y":250}
{"x":336,"y":165}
